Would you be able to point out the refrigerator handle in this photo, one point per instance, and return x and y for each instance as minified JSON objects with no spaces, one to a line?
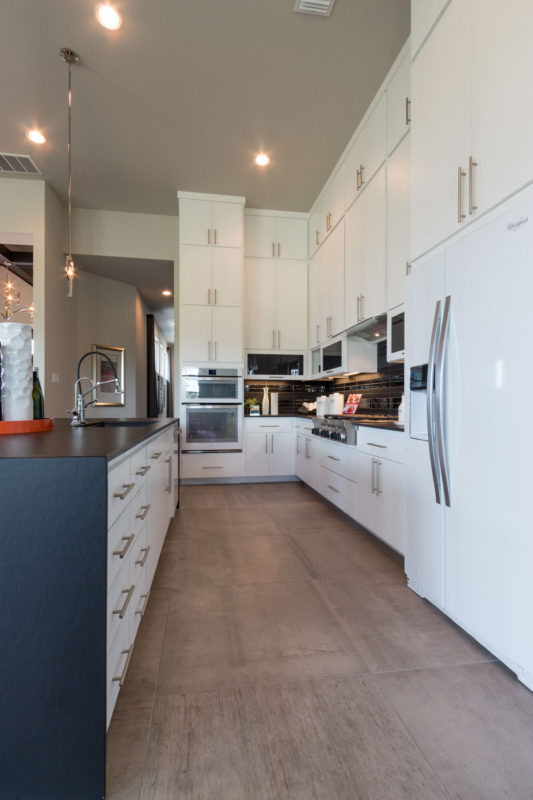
{"x":430,"y":400}
{"x":439,"y":401}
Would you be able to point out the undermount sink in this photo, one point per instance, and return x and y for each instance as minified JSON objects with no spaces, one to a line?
{"x":119,"y":423}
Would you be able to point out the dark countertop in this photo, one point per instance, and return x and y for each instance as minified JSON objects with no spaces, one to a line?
{"x":86,"y":442}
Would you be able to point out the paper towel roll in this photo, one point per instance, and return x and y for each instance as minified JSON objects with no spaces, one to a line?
{"x":274,"y":403}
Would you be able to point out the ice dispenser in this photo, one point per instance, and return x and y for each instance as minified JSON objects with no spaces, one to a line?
{"x":418,"y":379}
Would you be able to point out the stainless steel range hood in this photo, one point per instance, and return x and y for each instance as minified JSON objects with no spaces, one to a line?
{"x":373,"y":329}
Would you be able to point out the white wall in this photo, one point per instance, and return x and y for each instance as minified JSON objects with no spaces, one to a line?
{"x":125,"y":235}
{"x":107,"y":315}
{"x":141,"y":381}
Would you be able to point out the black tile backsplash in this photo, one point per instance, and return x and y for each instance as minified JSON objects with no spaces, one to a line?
{"x":382,"y":391}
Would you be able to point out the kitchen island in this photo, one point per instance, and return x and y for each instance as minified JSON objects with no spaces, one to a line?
{"x":84,"y":516}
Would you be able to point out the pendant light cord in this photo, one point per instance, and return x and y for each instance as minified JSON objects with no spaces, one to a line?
{"x":69,"y":150}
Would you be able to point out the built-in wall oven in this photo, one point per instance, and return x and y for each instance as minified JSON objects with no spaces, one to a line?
{"x":212,"y":410}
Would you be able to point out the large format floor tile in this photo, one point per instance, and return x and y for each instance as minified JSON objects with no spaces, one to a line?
{"x":335,"y":739}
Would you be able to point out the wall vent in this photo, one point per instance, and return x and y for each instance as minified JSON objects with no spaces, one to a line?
{"x":16,"y":163}
{"x":321,"y":8}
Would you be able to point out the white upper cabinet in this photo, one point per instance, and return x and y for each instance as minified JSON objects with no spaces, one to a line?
{"x":315,"y":300}
{"x":211,"y":334}
{"x":207,"y":222}
{"x":226,"y":335}
{"x":440,"y":130}
{"x":275,"y":305}
{"x":267,"y":236}
{"x":316,"y":228}
{"x":366,"y":154}
{"x":331,"y":285}
{"x":333,"y":200}
{"x":196,"y":338}
{"x":210,"y":276}
{"x":399,"y":104}
{"x":365,"y":263}
{"x":424,"y":14}
{"x":502,"y":102}
{"x":397,"y":222}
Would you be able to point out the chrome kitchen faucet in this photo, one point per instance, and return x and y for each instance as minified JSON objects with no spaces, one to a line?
{"x":78,"y":412}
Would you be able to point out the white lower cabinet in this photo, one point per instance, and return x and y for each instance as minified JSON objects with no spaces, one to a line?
{"x":341,"y":491}
{"x":268,"y":447}
{"x":204,"y":466}
{"x":140,"y":508}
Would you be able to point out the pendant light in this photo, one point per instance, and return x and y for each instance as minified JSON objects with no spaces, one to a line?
{"x":70,"y":57}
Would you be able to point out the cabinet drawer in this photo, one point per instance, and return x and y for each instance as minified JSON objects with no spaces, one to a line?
{"x":120,"y":539}
{"x":140,"y":466}
{"x":119,"y":600}
{"x":340,"y":491}
{"x":268,"y":425}
{"x":384,"y":444}
{"x":120,"y":488}
{"x":118,"y":658}
{"x":216,"y":465}
{"x":339,"y":459}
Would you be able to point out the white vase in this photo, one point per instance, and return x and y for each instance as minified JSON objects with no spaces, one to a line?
{"x":265,"y":406}
{"x":16,"y":371}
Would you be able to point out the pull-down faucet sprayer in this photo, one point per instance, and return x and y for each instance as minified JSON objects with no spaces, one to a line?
{"x":78,"y":412}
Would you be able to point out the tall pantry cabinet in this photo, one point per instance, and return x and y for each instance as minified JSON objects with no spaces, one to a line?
{"x":211,"y":278}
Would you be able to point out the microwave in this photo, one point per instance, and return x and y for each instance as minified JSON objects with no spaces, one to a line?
{"x":396,"y":334}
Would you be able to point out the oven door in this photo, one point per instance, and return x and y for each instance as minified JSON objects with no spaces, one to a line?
{"x":209,"y":389}
{"x":212,"y":427}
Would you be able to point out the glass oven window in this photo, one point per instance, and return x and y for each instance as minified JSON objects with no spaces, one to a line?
{"x":213,"y":425}
{"x":210,"y":389}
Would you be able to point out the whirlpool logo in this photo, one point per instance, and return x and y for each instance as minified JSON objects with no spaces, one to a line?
{"x":514,"y":226}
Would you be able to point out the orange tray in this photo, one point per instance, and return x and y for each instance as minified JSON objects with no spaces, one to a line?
{"x":26,"y":426}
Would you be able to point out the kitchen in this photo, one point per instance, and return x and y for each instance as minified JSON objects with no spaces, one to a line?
{"x":443,"y":199}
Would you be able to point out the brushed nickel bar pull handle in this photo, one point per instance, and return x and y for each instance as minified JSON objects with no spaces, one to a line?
{"x":209,"y":350}
{"x":129,"y":593}
{"x":128,"y":539}
{"x":127,"y":489}
{"x":316,"y":238}
{"x":209,"y":236}
{"x":471,"y":165}
{"x":269,"y":426}
{"x":317,"y":332}
{"x":279,"y":250}
{"x":143,"y":470}
{"x":266,"y":442}
{"x":271,"y":442}
{"x":273,"y":250}
{"x":216,"y":297}
{"x":143,"y":609}
{"x":145,"y":512}
{"x":460,"y":175}
{"x":361,"y":168}
{"x":209,"y":297}
{"x":373,"y":479}
{"x":279,"y":340}
{"x":333,"y":458}
{"x":407,"y":111}
{"x":211,"y":467}
{"x":142,"y":561}
{"x":122,"y":678}
{"x":379,"y":464}
{"x":407,"y":268}
{"x":215,"y":235}
{"x":155,"y":456}
{"x":306,"y":453}
{"x":333,"y":488}
{"x":297,"y":445}
{"x":215,"y":350}
{"x":167,"y":460}
{"x":373,"y":444}
{"x":273,"y":340}
{"x":357,"y":180}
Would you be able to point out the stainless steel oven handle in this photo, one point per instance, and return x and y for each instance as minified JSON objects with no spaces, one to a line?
{"x":439,"y":401}
{"x":430,"y":400}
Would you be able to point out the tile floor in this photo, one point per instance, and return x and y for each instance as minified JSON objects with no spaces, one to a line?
{"x":282,"y":657}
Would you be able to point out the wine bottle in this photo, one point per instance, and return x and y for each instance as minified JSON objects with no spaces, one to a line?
{"x":37,"y":396}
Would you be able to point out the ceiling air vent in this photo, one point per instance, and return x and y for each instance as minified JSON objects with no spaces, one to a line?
{"x":321,"y":8}
{"x":21,"y":165}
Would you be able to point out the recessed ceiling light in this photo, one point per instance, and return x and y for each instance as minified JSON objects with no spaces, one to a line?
{"x":166,"y":293}
{"x":262,"y":159}
{"x":108,"y":17}
{"x":36,"y":137}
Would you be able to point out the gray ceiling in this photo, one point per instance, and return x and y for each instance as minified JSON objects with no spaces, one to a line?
{"x":188,"y":90}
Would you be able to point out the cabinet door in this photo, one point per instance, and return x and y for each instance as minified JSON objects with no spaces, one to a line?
{"x":227,"y":334}
{"x":398,"y":111}
{"x":195,"y":276}
{"x":314,"y":232}
{"x":291,"y":305}
{"x":259,"y":236}
{"x":195,"y":222}
{"x":397,"y":222}
{"x":424,"y":14}
{"x":440,"y":129}
{"x":281,"y":453}
{"x":227,"y":277}
{"x":195,"y":344}
{"x":502,"y":112}
{"x":366,"y":497}
{"x":334,"y":199}
{"x":391,"y":505}
{"x":368,"y":152}
{"x":300,"y":460}
{"x":316,"y":334}
{"x":352,"y":270}
{"x":228,"y":224}
{"x":260,"y":304}
{"x":332,"y":284}
{"x":373,"y":250}
{"x":291,"y":236}
{"x":256,"y":454}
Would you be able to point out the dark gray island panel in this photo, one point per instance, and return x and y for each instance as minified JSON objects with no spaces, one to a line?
{"x":52,"y":628}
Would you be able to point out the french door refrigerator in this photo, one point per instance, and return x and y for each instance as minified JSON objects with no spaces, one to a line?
{"x":469,"y":456}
